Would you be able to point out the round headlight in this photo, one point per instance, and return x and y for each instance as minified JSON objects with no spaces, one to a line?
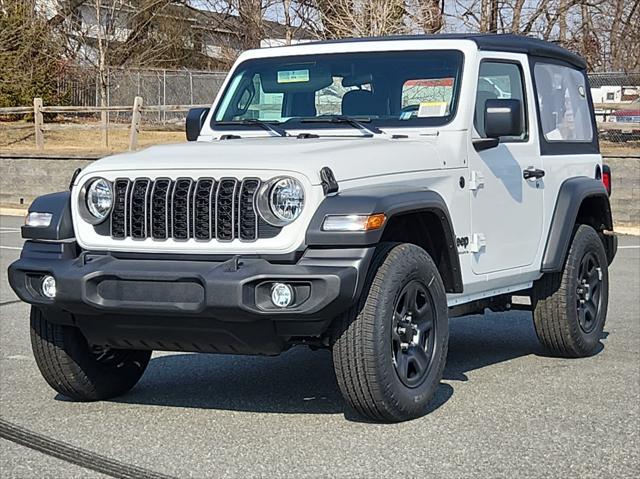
{"x":286,"y":199}
{"x":99,"y":198}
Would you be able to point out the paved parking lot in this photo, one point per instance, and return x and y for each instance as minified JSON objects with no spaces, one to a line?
{"x":503,"y":409}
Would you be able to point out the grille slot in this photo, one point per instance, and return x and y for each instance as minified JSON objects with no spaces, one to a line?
{"x":247,"y":215}
{"x":138,"y":209}
{"x":120,"y":208}
{"x":202,"y":214}
{"x":225,"y":209}
{"x":181,"y":208}
{"x":160,"y":208}
{"x":203,"y":209}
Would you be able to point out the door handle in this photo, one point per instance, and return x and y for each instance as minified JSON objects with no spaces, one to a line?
{"x":532,"y":173}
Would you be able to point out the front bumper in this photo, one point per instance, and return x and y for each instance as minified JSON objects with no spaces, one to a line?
{"x":121,"y":301}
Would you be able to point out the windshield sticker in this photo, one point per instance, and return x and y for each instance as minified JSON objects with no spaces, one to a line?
{"x":432,"y":108}
{"x":293,"y":76}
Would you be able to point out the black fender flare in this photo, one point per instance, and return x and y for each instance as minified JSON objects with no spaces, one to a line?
{"x":61,"y":226}
{"x":392,"y":201}
{"x":570,"y":198}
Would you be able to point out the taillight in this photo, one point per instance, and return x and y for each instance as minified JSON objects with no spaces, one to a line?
{"x":606,"y":178}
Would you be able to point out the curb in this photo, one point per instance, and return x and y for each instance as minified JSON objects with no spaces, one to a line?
{"x":4,"y":211}
{"x":53,"y":155}
{"x":627,"y":230}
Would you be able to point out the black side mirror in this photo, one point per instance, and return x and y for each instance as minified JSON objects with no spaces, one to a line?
{"x":195,"y":121}
{"x":502,"y":117}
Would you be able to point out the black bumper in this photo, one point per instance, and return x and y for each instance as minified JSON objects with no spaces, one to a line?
{"x":189,"y":304}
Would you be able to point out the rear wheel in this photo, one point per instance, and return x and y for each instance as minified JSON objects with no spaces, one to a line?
{"x":571,"y":307}
{"x":78,"y":370}
{"x":390,"y":351}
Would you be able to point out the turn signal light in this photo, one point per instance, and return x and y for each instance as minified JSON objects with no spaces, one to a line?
{"x":375,"y":222}
{"x":38,"y":220}
{"x":353,"y":222}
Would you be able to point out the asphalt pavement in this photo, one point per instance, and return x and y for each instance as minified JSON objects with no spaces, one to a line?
{"x":504,"y":409}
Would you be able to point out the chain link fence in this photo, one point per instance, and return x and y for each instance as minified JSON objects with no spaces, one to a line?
{"x":157,"y":88}
{"x":616,"y":97}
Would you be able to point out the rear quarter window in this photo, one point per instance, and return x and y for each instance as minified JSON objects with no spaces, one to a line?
{"x":563,"y":103}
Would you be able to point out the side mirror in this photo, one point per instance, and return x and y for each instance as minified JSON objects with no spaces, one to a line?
{"x":502,"y":117}
{"x":195,"y":121}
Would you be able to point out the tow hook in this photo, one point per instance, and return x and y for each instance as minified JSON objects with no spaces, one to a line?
{"x":232,"y":265}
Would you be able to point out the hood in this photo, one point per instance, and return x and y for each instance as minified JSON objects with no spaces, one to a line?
{"x":349,"y":158}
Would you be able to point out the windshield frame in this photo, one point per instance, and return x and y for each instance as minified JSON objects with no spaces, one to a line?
{"x":298,"y":123}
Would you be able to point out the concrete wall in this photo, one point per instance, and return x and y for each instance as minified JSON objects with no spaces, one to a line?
{"x":26,"y":177}
{"x":625,"y":198}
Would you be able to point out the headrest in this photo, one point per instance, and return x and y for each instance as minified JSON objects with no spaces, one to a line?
{"x":362,"y":103}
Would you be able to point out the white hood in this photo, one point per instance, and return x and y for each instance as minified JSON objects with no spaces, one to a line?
{"x":348,"y":157}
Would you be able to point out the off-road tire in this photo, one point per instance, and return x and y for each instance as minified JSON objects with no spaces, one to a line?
{"x":75,"y":370}
{"x":363,"y":354}
{"x":556,"y":299}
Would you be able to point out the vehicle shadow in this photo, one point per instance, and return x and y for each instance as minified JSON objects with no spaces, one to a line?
{"x":301,"y":381}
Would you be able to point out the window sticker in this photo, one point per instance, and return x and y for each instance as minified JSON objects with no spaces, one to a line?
{"x":293,"y":76}
{"x":432,"y":108}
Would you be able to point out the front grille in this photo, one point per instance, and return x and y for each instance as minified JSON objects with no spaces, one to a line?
{"x":203,"y":209}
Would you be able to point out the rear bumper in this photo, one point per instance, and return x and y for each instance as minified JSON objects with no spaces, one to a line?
{"x":114,"y":299}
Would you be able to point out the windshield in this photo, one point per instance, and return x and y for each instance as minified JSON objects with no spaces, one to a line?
{"x":412,"y":88}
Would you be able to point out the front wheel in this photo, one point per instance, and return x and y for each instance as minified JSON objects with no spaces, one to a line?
{"x":390,"y":351}
{"x":570,"y":307}
{"x":81,"y":371}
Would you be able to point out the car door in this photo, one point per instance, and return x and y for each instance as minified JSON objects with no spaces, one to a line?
{"x":506,"y":208}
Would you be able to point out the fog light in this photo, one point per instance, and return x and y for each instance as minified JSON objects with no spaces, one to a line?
{"x":282,"y":295}
{"x":49,"y":286}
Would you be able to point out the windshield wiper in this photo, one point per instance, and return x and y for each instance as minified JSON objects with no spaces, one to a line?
{"x":254,"y":122}
{"x":347,"y":120}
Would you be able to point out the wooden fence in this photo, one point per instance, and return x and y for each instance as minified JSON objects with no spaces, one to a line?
{"x":40,"y":127}
{"x":607,"y":130}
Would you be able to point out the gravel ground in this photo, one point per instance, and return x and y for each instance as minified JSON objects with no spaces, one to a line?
{"x":503,"y":409}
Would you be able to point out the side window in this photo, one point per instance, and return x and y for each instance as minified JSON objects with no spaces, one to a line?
{"x":254,"y":103}
{"x":563,"y":104}
{"x":499,"y":80}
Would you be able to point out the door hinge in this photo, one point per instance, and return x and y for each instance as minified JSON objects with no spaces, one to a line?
{"x":476,"y":181}
{"x":478,"y":242}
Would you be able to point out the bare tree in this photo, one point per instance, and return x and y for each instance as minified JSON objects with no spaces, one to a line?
{"x":489,"y":16}
{"x":604,"y":32}
{"x":426,"y":15}
{"x":251,"y":14}
{"x":360,"y":18}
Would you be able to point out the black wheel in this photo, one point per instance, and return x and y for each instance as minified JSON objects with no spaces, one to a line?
{"x":390,"y":351}
{"x":571,"y":307}
{"x":80,"y":371}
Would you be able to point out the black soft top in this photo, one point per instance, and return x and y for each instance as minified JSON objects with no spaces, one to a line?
{"x":488,"y":41}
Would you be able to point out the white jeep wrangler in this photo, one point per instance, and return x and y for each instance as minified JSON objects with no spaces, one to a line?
{"x":350,"y":195}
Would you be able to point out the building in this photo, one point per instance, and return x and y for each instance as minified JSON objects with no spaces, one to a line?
{"x":198,"y":38}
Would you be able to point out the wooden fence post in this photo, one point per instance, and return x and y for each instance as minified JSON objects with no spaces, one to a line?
{"x":135,"y":123}
{"x":38,"y":121}
{"x":104,"y":127}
